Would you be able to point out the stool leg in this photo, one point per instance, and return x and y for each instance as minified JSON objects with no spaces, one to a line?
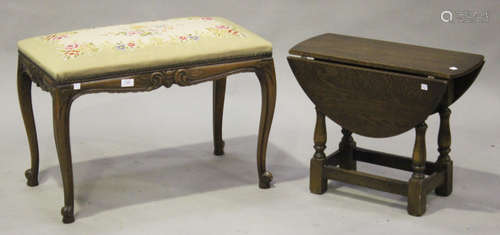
{"x":317,"y":178}
{"x":267,"y":80}
{"x":219,"y":90}
{"x":61,"y":109}
{"x":347,"y":146}
{"x":24,"y":94}
{"x":444,"y":162}
{"x":416,"y":194}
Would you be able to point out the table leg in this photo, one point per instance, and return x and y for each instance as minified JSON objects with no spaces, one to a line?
{"x":444,"y":161}
{"x":416,"y":193}
{"x":219,"y":91}
{"x":24,"y":94}
{"x":61,"y":110}
{"x":346,"y":147}
{"x":317,"y":178}
{"x":267,"y":79}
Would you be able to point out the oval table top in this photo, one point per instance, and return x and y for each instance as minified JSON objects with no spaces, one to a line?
{"x":386,"y":55}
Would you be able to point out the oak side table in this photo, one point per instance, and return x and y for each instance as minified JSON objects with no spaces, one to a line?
{"x":136,"y":58}
{"x":381,"y":89}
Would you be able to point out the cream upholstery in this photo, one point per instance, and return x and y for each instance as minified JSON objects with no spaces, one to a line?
{"x":90,"y":52}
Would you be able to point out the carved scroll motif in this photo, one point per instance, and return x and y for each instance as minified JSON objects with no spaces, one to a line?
{"x":143,"y":81}
{"x":37,"y":75}
{"x":162,"y":78}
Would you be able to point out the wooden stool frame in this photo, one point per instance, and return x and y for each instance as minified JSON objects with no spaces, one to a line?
{"x":64,"y":93}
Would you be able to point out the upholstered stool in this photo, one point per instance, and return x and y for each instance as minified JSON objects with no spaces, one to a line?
{"x":140,"y":57}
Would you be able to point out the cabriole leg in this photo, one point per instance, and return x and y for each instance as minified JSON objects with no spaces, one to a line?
{"x":24,"y":94}
{"x":219,"y":91}
{"x":317,"y":178}
{"x":61,"y":110}
{"x":267,"y":80}
{"x":416,"y":194}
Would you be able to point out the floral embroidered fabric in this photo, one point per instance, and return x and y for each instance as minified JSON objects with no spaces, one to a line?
{"x":130,"y":37}
{"x":138,"y":45}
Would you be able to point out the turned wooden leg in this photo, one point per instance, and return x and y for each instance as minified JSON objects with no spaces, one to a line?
{"x":346,"y":147}
{"x":61,"y":109}
{"x":317,"y":178}
{"x":444,"y":161}
{"x":267,"y":80}
{"x":416,"y":193}
{"x":24,"y":94}
{"x":219,"y":90}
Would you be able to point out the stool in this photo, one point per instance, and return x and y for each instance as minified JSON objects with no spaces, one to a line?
{"x":381,"y":89}
{"x":135,"y":58}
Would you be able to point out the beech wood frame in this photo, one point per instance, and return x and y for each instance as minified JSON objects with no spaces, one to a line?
{"x":63,"y":94}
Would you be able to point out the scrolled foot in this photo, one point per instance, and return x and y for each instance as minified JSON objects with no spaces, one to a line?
{"x":265,"y":180}
{"x":67,"y":213}
{"x":219,"y":149}
{"x":31,"y":177}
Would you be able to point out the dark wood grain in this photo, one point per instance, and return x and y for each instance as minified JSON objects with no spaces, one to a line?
{"x":444,"y":161}
{"x":62,"y":100}
{"x":347,"y":147}
{"x":219,"y":91}
{"x":267,"y":80}
{"x":367,"y":180}
{"x":365,"y":101}
{"x":380,"y":89}
{"x":434,"y":181}
{"x":390,"y":160}
{"x":24,"y":95}
{"x":386,"y":55}
{"x":417,"y":196}
{"x":317,"y":178}
{"x":63,"y":94}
